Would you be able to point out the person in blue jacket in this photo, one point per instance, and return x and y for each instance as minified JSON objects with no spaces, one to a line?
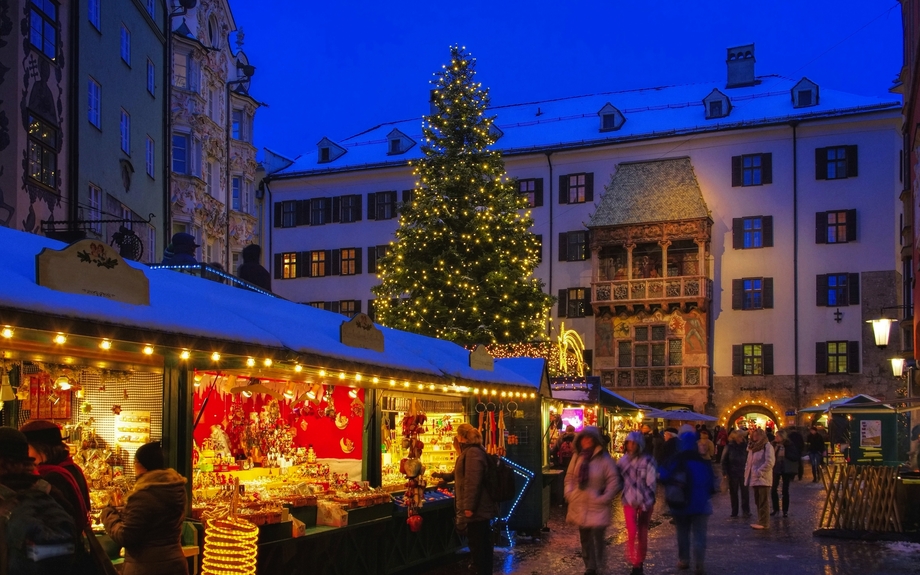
{"x":692,"y":508}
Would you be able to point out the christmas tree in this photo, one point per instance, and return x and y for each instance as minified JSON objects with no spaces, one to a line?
{"x":462,"y":265}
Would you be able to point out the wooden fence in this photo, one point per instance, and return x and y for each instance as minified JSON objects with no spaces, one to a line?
{"x":860,"y":498}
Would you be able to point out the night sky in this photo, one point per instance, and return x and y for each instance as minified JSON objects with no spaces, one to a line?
{"x":338,"y":68}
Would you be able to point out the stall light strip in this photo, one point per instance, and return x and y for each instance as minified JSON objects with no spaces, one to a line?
{"x":528,"y":477}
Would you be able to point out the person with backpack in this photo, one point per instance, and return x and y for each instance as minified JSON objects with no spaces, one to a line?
{"x":591,"y":482}
{"x":637,"y":472}
{"x":758,"y":473}
{"x":475,"y":507}
{"x":734,"y":462}
{"x":784,"y":470}
{"x":149,"y":526}
{"x":689,"y":484}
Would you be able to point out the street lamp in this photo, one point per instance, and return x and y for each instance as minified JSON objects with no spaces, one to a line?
{"x":881,"y":327}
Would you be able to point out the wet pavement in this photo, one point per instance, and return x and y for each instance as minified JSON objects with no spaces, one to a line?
{"x":787,"y":548}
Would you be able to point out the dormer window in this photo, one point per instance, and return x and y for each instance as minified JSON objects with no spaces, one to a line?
{"x":611,"y":118}
{"x":398,"y":143}
{"x":324,"y":154}
{"x":717,"y":105}
{"x":395,"y":146}
{"x":715,"y":109}
{"x":804,"y":94}
{"x":328,"y":151}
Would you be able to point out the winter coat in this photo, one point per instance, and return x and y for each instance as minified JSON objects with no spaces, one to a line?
{"x":702,"y":479}
{"x":816,"y":443}
{"x":590,"y":504}
{"x":782,"y":465}
{"x":470,"y":485}
{"x":638,"y":477}
{"x":150,"y":524}
{"x":665,"y":451}
{"x":563,"y":462}
{"x":758,"y":470}
{"x":734,"y":460}
{"x":256,"y":274}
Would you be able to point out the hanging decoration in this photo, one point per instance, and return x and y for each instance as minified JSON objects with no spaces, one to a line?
{"x":413,"y":425}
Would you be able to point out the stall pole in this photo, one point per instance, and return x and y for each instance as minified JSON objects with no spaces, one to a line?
{"x":177,"y":420}
{"x":371,"y":459}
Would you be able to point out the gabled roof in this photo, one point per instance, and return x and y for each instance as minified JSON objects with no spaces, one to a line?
{"x":641,"y":192}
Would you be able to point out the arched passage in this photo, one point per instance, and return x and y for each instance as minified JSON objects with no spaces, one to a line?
{"x":756,"y":413}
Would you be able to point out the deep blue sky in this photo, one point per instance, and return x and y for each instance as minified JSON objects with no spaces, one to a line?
{"x":338,"y":68}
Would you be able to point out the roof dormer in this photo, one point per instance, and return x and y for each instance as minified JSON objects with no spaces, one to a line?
{"x":804,"y":94}
{"x":611,"y":118}
{"x":717,"y":105}
{"x":328,"y":151}
{"x":398,"y":143}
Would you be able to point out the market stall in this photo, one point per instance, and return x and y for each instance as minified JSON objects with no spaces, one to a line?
{"x":583,"y":401}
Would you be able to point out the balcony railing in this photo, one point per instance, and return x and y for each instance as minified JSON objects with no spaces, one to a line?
{"x":681,"y":288}
{"x":660,"y":377}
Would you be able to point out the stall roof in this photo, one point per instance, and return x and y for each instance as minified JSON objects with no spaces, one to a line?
{"x":857,"y":402}
{"x":200,"y":308}
{"x":532,"y":369}
{"x":611,"y":399}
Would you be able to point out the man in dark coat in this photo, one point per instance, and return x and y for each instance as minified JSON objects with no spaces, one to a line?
{"x":181,"y":250}
{"x":252,"y":271}
{"x":475,"y":508}
{"x":796,"y":438}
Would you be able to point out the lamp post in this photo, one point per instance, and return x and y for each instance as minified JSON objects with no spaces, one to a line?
{"x":881,"y":327}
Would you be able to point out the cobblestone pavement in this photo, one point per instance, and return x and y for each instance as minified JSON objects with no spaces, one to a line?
{"x":787,"y":548}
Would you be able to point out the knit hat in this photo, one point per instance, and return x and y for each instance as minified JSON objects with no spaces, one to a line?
{"x":41,"y":431}
{"x":150,"y":456}
{"x":672,"y":431}
{"x":638,"y":438}
{"x":13,"y":445}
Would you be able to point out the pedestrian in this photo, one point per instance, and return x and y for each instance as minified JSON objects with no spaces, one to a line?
{"x":252,"y":271}
{"x":734,"y":461}
{"x":668,"y":448}
{"x":54,"y":464}
{"x":784,"y":470}
{"x":181,"y":250}
{"x":758,"y":474}
{"x":565,"y":449}
{"x":475,"y":508}
{"x":705,"y":446}
{"x":721,"y":441}
{"x":652,"y":439}
{"x":816,"y":449}
{"x":637,"y":472}
{"x":796,"y":438}
{"x":149,"y":526}
{"x":692,"y":476}
{"x":591,"y":483}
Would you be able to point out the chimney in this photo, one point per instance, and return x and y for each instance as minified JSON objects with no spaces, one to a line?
{"x":740,"y":62}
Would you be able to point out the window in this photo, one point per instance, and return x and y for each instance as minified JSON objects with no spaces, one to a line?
{"x":350,"y":307}
{"x":752,"y":232}
{"x":348,"y":262}
{"x":317,"y":264}
{"x":576,"y":188}
{"x":804,"y":98}
{"x":288,"y":265}
{"x":752,"y":359}
{"x":837,"y":357}
{"x":752,"y":170}
{"x":532,"y":189}
{"x":609,"y":122}
{"x":151,"y":77}
{"x":180,"y":154}
{"x":381,"y":205}
{"x":125,"y":132}
{"x":149,"y":156}
{"x":395,"y":146}
{"x":42,"y":152}
{"x":320,"y":211}
{"x":374,"y":253}
{"x":835,"y":290}
{"x":125,"y":45}
{"x":324,"y":155}
{"x":209,"y":178}
{"x":95,"y":13}
{"x":288,"y":214}
{"x":836,"y":163}
{"x":752,"y":293}
{"x":237,"y":130}
{"x":247,"y":197}
{"x":95,"y":208}
{"x":94,"y":114}
{"x":624,"y":354}
{"x":350,"y":208}
{"x":715,"y":109}
{"x":152,"y":8}
{"x":574,"y":302}
{"x":836,"y":227}
{"x":43,"y":27}
{"x":181,"y":71}
{"x":573,"y":246}
{"x":236,"y":184}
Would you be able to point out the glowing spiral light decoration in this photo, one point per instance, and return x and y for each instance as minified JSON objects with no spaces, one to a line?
{"x":230,"y":547}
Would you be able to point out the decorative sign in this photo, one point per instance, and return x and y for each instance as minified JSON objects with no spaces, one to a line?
{"x":870,"y":433}
{"x":90,"y":267}
{"x":480,"y":359}
{"x":361,"y":332}
{"x":574,"y":416}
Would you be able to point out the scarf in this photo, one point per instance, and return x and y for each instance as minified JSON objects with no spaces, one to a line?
{"x":758,"y":445}
{"x":584,"y":460}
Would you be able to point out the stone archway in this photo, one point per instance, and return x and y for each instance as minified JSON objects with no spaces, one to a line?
{"x":752,"y":409}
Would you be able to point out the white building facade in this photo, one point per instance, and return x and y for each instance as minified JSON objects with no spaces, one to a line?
{"x":719,"y":247}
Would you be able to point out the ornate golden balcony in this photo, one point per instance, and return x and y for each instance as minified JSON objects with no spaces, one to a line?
{"x":663,"y":291}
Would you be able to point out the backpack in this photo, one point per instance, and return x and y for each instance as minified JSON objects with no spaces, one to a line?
{"x":564,"y":453}
{"x":678,"y":489}
{"x":499,"y":479}
{"x":38,"y":534}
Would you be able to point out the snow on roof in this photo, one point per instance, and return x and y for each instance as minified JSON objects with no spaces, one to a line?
{"x":574,"y":121}
{"x":531,"y":369}
{"x":188,"y":305}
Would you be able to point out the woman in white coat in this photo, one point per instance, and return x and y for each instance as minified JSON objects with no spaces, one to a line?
{"x":758,"y":473}
{"x":591,"y":482}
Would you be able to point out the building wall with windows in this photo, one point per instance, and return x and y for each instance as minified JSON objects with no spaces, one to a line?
{"x":120,"y":124}
{"x":774,"y":196}
{"x":35,"y":113}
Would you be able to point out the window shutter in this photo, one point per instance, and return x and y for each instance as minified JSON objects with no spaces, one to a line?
{"x":767,"y":222}
{"x":300,"y":268}
{"x":851,"y":225}
{"x":336,"y":263}
{"x":299,"y":212}
{"x":589,"y":187}
{"x":406,"y":196}
{"x":821,"y":357}
{"x":327,"y":209}
{"x":563,"y":303}
{"x":768,"y":293}
{"x":358,"y":257}
{"x":372,"y":206}
{"x":853,"y":356}
{"x":538,"y":192}
{"x":328,"y":270}
{"x":821,"y":228}
{"x":853,"y":289}
{"x":821,"y":164}
{"x":737,"y":233}
{"x":307,"y":264}
{"x":563,"y":189}
{"x":336,"y":209}
{"x":737,"y":294}
{"x":357,"y":306}
{"x":278,"y":262}
{"x":766,"y":168}
{"x":768,"y":359}
{"x":852,"y":162}
{"x":563,"y":247}
{"x":372,"y":260}
{"x":737,"y":178}
{"x":589,"y":311}
{"x":278,"y":208}
{"x":736,"y":360}
{"x":821,"y":285}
